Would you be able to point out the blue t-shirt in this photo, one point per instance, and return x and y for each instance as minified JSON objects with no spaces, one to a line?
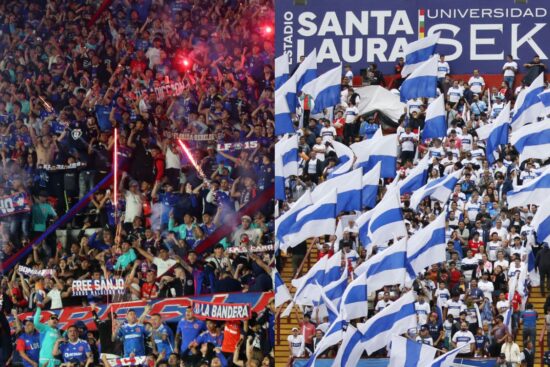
{"x":163,"y":345}
{"x":31,"y":344}
{"x":133,"y":339}
{"x":529,"y":318}
{"x":77,"y":351}
{"x":206,"y":337}
{"x":189,"y":331}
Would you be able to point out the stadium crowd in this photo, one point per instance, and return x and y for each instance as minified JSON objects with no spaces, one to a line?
{"x":157,"y":71}
{"x":487,"y":243}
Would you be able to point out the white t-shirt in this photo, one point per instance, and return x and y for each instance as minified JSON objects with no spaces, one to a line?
{"x":134,"y":206}
{"x":508,"y":72}
{"x":55,"y":296}
{"x":455,"y":307}
{"x":503,"y":306}
{"x":422,"y":311}
{"x":462,"y":338}
{"x":454,"y":94}
{"x":380,"y":305}
{"x":163,"y":265}
{"x":414,"y":105}
{"x":487,"y":287}
{"x":476,"y":84}
{"x":172,"y":160}
{"x":320,"y":149}
{"x":297,"y":344}
{"x":443,"y":69}
{"x":502,"y":263}
{"x":328,"y":134}
{"x":351,"y":114}
{"x":408,"y":144}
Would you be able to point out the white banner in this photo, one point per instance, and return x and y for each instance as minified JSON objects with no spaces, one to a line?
{"x":99,"y":287}
{"x":36,"y":272}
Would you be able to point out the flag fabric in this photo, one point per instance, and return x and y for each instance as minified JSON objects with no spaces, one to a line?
{"x":532,"y":141}
{"x":335,"y":290}
{"x":375,"y":98}
{"x":331,"y":308}
{"x":370,"y":180}
{"x":355,"y":299}
{"x":325,"y":89}
{"x":363,"y":222}
{"x":416,"y":178}
{"x":422,"y":82}
{"x":534,"y":276}
{"x":427,"y":246}
{"x":281,"y":70}
{"x":544,"y":97}
{"x":282,"y":294}
{"x":306,"y":70}
{"x":528,"y":105}
{"x":387,"y":267}
{"x":534,"y":192}
{"x":305,"y":285}
{"x":316,"y":220}
{"x":284,"y":222}
{"x":345,"y":159}
{"x":541,"y":221}
{"x":395,"y":319}
{"x":285,"y":106}
{"x":351,"y":349}
{"x":286,"y":163}
{"x":386,"y":221}
{"x":379,"y":148}
{"x":333,"y":336}
{"x":418,"y":52}
{"x":333,"y":269}
{"x":435,"y":125}
{"x":405,"y":352}
{"x":446,"y":360}
{"x":495,"y":134}
{"x":439,"y":189}
{"x":348,"y":187}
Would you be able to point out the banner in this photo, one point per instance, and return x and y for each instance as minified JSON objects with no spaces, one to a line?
{"x":133,"y":361}
{"x":171,"y":309}
{"x":97,"y":287}
{"x":221,"y":311}
{"x":193,"y":137}
{"x":35,"y":272}
{"x":474,"y":34}
{"x":166,"y":90}
{"x":228,"y":147}
{"x":61,"y":167}
{"x":244,"y":249}
{"x":14,"y":204}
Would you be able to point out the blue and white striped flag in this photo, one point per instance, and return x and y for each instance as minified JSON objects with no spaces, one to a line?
{"x":286,"y":163}
{"x":495,"y":134}
{"x":417,"y":52}
{"x":306,"y":71}
{"x":284,"y":222}
{"x":422,"y":82}
{"x":528,"y":105}
{"x":395,"y":319}
{"x":351,"y":349}
{"x":355,"y":299}
{"x":387,"y":267}
{"x":532,"y":141}
{"x":427,"y":246}
{"x":281,"y":70}
{"x":325,"y":89}
{"x":333,"y":336}
{"x":348,"y":187}
{"x":282,"y":294}
{"x":371,"y":180}
{"x":544,"y":97}
{"x":316,"y":220}
{"x":435,"y":125}
{"x":379,"y":148}
{"x":305,"y":285}
{"x":345,"y":159}
{"x":363,"y":223}
{"x":447,"y":359}
{"x":416,"y":178}
{"x":405,"y":352}
{"x":541,"y":221}
{"x":335,"y":290}
{"x":439,"y":189}
{"x":285,"y":106}
{"x":534,"y":192}
{"x":386,"y":221}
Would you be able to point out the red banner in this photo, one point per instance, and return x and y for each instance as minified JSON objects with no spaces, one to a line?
{"x":221,"y":311}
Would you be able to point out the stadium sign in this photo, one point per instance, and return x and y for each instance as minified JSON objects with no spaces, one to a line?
{"x":221,"y":311}
{"x":474,"y":35}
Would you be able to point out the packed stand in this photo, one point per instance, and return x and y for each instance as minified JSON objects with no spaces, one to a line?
{"x":462,"y":301}
{"x":158,"y":72}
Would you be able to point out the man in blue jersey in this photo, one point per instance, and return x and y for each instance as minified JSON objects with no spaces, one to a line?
{"x":211,"y":335}
{"x":133,"y":336}
{"x":75,"y":349}
{"x":28,"y":345}
{"x":189,"y":328}
{"x":162,"y":336}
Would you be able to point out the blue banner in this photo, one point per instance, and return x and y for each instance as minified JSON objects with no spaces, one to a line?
{"x":474,"y":34}
{"x":14,"y":204}
{"x":383,"y":362}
